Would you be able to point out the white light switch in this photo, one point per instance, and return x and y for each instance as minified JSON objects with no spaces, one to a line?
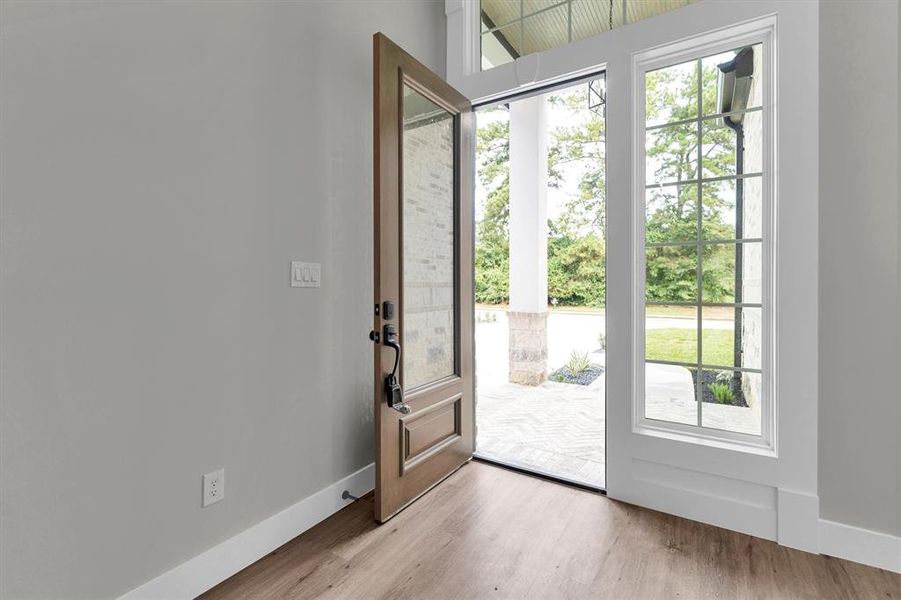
{"x":305,"y":274}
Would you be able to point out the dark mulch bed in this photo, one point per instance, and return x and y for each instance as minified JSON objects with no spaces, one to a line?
{"x":563,"y":375}
{"x":738,"y":397}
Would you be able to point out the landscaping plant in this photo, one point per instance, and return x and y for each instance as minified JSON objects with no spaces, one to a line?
{"x":722,"y":392}
{"x":578,"y":362}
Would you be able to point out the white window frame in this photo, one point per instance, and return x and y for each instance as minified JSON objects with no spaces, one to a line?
{"x":750,"y":489}
{"x":759,"y":32}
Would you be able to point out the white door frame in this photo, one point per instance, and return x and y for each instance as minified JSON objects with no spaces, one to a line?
{"x":769,"y":493}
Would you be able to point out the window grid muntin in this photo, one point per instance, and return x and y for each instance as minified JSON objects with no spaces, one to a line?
{"x":499,"y":27}
{"x":693,"y":180}
{"x":733,"y":113}
{"x":679,"y":363}
{"x":699,"y":180}
{"x":705,"y":304}
{"x":717,"y":242}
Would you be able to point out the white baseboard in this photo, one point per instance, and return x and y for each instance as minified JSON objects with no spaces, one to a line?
{"x":220,"y":562}
{"x":798,"y":519}
{"x":860,"y":545}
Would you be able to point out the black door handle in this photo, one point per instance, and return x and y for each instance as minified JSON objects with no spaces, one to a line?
{"x":393,"y":389}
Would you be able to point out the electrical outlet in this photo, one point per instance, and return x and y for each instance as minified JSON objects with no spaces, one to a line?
{"x":213,"y":487}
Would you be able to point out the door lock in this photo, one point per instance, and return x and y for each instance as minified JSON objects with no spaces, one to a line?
{"x":393,"y":390}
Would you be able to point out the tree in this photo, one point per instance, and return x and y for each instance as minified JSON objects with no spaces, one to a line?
{"x":576,"y":238}
{"x":672,"y":158}
{"x":492,"y":258}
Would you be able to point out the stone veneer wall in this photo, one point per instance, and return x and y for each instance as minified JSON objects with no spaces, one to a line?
{"x":428,"y":252}
{"x":528,"y":347}
{"x":752,"y":265}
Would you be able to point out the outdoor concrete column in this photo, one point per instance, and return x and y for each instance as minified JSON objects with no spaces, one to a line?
{"x":528,"y":241}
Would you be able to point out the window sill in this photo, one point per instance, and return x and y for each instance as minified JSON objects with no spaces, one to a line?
{"x":733,"y":443}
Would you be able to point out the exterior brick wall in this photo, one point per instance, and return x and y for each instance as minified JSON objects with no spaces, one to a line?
{"x":428,"y":251}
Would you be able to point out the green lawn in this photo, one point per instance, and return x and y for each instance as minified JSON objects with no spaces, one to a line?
{"x":680,"y":345}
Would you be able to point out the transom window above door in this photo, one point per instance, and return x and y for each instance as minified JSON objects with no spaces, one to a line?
{"x":514,"y":28}
{"x":705,"y":333}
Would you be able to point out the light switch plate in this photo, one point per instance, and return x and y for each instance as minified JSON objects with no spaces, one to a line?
{"x":305,"y":274}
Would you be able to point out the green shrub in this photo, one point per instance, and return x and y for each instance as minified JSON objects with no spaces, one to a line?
{"x":602,"y":341}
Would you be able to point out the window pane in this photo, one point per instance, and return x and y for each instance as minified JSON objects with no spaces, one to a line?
{"x":500,"y":45}
{"x":671,"y":154}
{"x":732,"y":86}
{"x":671,"y":94}
{"x":724,"y":200}
{"x":671,"y":213}
{"x":752,"y":207}
{"x":545,"y":30}
{"x":501,"y":12}
{"x":752,"y":273}
{"x":671,"y":274}
{"x":719,"y":273}
{"x":721,"y":277}
{"x":671,"y":335}
{"x":670,"y":394}
{"x":718,"y":340}
{"x":719,"y":209}
{"x":753,"y":134}
{"x":751,"y":338}
{"x":427,"y":213}
{"x":530,"y":7}
{"x":731,"y":401}
{"x":720,"y":348}
{"x":591,"y":17}
{"x":717,"y":150}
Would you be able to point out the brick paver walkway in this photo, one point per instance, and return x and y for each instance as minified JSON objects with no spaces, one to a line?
{"x":555,"y":428}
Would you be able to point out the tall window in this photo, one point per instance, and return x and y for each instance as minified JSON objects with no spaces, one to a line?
{"x":514,"y":28}
{"x":704,"y":243}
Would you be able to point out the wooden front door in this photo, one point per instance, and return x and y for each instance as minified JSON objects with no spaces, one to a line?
{"x":423,"y":371}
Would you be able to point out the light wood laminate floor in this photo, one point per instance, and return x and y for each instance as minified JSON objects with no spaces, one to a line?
{"x":487,"y":532}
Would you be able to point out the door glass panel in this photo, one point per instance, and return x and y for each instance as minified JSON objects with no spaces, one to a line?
{"x":427,"y":216}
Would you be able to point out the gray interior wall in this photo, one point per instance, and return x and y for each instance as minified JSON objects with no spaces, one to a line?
{"x":860,"y":308}
{"x":162,"y":162}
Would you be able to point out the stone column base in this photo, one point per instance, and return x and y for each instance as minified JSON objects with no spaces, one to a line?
{"x":528,"y":347}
